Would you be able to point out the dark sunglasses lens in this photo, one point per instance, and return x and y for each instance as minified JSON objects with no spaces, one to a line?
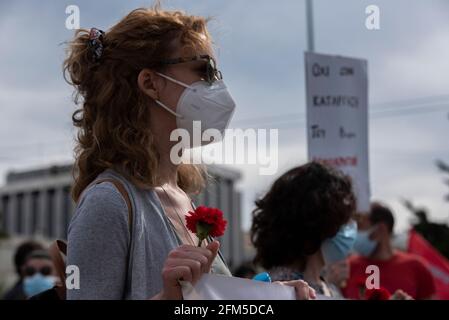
{"x":212,"y":72}
{"x":46,"y":271}
{"x":212,"y":63}
{"x":29,"y":271}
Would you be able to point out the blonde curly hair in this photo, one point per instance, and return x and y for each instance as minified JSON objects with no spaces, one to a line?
{"x":113,"y":120}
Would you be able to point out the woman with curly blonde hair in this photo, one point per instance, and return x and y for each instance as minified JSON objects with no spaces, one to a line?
{"x":150,"y":74}
{"x":135,"y":82}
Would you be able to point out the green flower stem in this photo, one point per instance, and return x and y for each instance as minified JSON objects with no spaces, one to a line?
{"x":202,"y":231}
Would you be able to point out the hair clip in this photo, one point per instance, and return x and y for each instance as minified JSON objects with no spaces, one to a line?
{"x":96,"y":43}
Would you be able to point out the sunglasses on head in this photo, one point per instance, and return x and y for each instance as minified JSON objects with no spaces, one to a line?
{"x":31,"y":271}
{"x":211,"y":75}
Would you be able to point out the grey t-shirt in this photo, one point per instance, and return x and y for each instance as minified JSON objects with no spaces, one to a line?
{"x":113,"y":263}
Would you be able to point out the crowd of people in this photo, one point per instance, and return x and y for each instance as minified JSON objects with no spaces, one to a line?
{"x":312,"y":209}
{"x":304,"y":228}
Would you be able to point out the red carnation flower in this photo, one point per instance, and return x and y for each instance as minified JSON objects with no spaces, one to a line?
{"x":377,"y":294}
{"x":206,"y":222}
{"x":360,"y":281}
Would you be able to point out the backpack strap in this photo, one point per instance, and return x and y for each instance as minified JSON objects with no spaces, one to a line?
{"x":125,"y":195}
{"x":58,"y":249}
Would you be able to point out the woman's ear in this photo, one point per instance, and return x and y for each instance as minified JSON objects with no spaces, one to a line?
{"x":147,"y":82}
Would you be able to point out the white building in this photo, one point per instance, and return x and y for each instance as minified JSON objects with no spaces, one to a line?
{"x":38,"y":203}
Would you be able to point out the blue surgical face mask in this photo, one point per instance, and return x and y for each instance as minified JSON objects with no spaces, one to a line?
{"x":338,"y":247}
{"x":37,"y":283}
{"x":363,"y":244}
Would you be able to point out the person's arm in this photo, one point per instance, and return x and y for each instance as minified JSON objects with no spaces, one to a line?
{"x":302,"y":289}
{"x":337,"y":273}
{"x":188,"y":263}
{"x":98,"y":242}
{"x":400,"y":295}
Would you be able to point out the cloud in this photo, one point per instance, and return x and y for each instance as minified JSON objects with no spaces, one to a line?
{"x":422,"y":71}
{"x":260,"y":49}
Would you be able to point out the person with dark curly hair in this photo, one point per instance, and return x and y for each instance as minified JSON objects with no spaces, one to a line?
{"x":304,"y":223}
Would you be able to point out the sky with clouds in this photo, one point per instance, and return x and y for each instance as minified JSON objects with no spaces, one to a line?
{"x":260,"y":46}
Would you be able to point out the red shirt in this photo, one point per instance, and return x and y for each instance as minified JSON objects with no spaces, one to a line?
{"x":403,"y":271}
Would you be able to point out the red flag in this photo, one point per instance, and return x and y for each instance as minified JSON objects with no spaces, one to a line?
{"x":437,"y":264}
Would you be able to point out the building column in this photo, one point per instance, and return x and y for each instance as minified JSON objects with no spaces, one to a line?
{"x":27,"y":213}
{"x":58,"y":218}
{"x":6,"y":204}
{"x":12,"y":214}
{"x":43,"y":212}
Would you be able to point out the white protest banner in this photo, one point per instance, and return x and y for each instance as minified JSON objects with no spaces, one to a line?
{"x":219,"y":287}
{"x":337,"y":117}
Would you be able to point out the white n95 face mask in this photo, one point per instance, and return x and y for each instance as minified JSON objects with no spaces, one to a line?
{"x":211,"y":104}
